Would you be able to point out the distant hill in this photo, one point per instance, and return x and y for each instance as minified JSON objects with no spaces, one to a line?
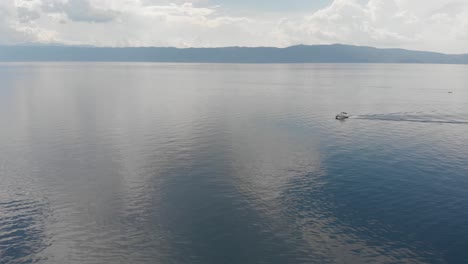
{"x":295,"y":54}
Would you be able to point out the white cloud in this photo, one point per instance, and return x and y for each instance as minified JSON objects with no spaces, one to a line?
{"x":80,"y":10}
{"x":18,"y":23}
{"x":428,"y":25}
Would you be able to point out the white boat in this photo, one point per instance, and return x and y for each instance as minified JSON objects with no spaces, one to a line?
{"x":342,"y":116}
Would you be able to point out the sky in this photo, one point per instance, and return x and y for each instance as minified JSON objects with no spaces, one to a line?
{"x":433,"y":25}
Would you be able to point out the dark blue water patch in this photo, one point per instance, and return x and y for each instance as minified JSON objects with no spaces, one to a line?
{"x":22,"y":233}
{"x":399,"y":197}
{"x":387,"y":194}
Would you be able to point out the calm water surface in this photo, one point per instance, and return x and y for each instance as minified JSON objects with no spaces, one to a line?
{"x":187,"y":163}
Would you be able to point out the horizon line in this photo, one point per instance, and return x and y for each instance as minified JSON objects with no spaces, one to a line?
{"x":219,"y":47}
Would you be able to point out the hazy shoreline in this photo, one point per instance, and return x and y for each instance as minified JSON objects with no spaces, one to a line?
{"x":336,"y":53}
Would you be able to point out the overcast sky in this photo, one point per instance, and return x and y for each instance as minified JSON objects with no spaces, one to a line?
{"x":436,"y":25}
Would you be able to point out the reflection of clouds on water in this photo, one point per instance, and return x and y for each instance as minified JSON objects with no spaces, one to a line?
{"x":61,"y":147}
{"x":284,"y":177}
{"x":268,"y":161}
{"x":193,"y":164}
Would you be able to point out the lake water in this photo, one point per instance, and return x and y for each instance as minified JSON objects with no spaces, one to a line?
{"x":213,"y":163}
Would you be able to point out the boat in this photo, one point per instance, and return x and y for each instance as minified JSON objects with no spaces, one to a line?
{"x":342,"y":116}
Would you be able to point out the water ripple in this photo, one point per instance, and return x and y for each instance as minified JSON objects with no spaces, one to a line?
{"x":162,"y":163}
{"x":412,"y":117}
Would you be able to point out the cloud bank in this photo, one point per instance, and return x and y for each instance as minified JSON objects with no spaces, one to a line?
{"x":435,"y":25}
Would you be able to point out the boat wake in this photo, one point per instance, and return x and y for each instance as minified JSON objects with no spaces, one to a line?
{"x":412,"y":117}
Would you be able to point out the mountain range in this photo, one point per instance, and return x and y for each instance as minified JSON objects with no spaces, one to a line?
{"x":336,"y":53}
